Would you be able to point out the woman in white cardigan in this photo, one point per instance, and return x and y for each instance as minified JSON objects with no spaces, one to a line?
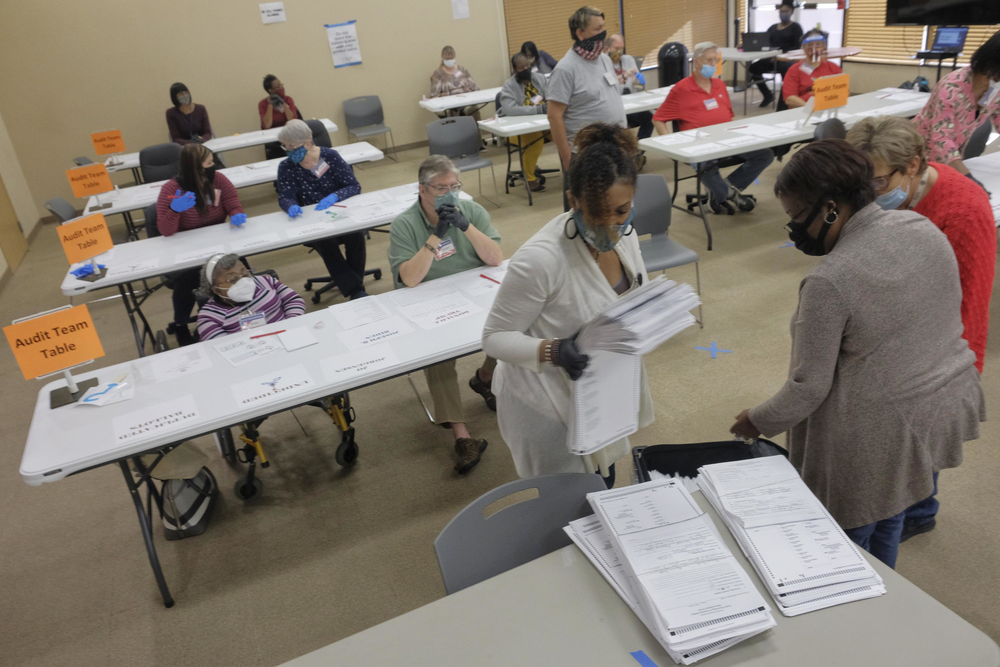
{"x":573,"y":268}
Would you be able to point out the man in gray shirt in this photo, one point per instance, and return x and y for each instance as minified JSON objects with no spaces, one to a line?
{"x":583,"y":88}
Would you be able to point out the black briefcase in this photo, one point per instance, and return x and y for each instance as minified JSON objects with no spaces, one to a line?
{"x":684,"y":460}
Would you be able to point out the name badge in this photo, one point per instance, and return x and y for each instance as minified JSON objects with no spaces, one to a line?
{"x":320,"y":169}
{"x":611,"y":78}
{"x":445,"y":249}
{"x":711,"y":104}
{"x":252,"y":321}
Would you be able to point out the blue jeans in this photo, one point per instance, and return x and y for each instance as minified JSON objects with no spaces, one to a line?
{"x":880,"y":539}
{"x":923,"y":512}
{"x":754,"y":163}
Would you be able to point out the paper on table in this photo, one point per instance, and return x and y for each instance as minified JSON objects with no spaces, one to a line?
{"x":201,"y":253}
{"x":254,"y":242}
{"x":299,"y":231}
{"x":244,"y":349}
{"x":359,"y":312}
{"x":369,"y":335}
{"x":109,"y":393}
{"x":431,"y":305}
{"x":176,"y":363}
{"x":366,"y":199}
{"x":155,"y":420}
{"x":299,"y":337}
{"x":763,"y":131}
{"x":273,"y":386}
{"x":701,"y":149}
{"x":134,"y":267}
{"x":611,"y":379}
{"x":488,"y":280}
{"x":352,"y":364}
{"x":733,"y":142}
{"x":377,"y":212}
{"x":513,"y":127}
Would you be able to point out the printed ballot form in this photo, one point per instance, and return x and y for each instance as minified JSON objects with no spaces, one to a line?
{"x":432,"y":304}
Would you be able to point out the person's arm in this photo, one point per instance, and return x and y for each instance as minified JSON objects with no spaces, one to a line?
{"x":667,"y":112}
{"x":230,"y":199}
{"x":168,"y":220}
{"x":206,"y":124}
{"x":289,"y":109}
{"x":547,"y":58}
{"x":468,"y":84}
{"x":175,"y":129}
{"x":557,"y":128}
{"x":437,"y":85}
{"x":819,"y":331}
{"x":209,"y":323}
{"x":511,"y":103}
{"x":484,"y":237}
{"x":288,"y":195}
{"x":790,"y":88}
{"x":346,"y":184}
{"x":292,"y":304}
{"x":409,"y":258}
{"x":266,"y":114}
{"x":413,"y":271}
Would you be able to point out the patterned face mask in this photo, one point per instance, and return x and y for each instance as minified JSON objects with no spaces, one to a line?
{"x":592,"y":47}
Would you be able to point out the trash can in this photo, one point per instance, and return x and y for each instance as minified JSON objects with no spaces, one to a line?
{"x":684,"y":460}
{"x":672,"y":61}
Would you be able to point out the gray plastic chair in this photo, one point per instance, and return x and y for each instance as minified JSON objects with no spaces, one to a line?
{"x":82,"y":160}
{"x":831,"y":128}
{"x":365,"y":119}
{"x":652,"y":216}
{"x":320,"y":135}
{"x":472,"y":548}
{"x":61,"y":208}
{"x":160,"y":162}
{"x":977,"y":142}
{"x":459,"y":139}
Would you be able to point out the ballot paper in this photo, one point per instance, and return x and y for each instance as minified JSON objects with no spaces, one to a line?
{"x":610,"y":379}
{"x":272,"y":386}
{"x":359,"y":312}
{"x":297,"y":338}
{"x":307,"y":229}
{"x":680,"y":137}
{"x":384,"y":212}
{"x":244,"y":349}
{"x":353,"y":364}
{"x":805,"y":563}
{"x":369,"y":335}
{"x":254,"y":242}
{"x":762,"y":131}
{"x":126,"y":269}
{"x":366,"y":199}
{"x":487,"y":280}
{"x":515,"y":127}
{"x":201,"y":253}
{"x":155,"y":420}
{"x":432,"y":304}
{"x":701,"y":149}
{"x":180,"y":362}
{"x":733,"y":142}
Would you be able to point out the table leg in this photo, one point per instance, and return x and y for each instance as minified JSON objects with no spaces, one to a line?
{"x":133,"y":235}
{"x":701,"y":209}
{"x":746,"y":83}
{"x":136,"y":175}
{"x":133,"y":307}
{"x":506,"y":184}
{"x":147,"y":534}
{"x":520,"y":160}
{"x":774,"y":84}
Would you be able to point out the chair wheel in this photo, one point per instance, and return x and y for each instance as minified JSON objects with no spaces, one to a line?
{"x":378,"y":274}
{"x":347,"y":452}
{"x":161,"y":344}
{"x":540,"y":178}
{"x":308,"y":286}
{"x":315,"y":298}
{"x":244,"y":492}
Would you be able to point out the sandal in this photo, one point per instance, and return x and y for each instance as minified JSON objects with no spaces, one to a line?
{"x":483,"y":389}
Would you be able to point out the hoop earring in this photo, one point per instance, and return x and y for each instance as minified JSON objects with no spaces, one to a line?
{"x":566,"y":228}
{"x":835,"y":215}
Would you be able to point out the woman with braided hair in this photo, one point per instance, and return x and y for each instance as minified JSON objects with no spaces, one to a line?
{"x":568,"y":272}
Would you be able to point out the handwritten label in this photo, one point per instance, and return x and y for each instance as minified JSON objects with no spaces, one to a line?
{"x":153,"y":421}
{"x":107,"y":143}
{"x":830,"y":92}
{"x":85,"y":238}
{"x":353,"y":364}
{"x":90,"y":179}
{"x":365,"y":337}
{"x":53,"y":342}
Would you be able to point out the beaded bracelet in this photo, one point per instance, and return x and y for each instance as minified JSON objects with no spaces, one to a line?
{"x":431,"y":248}
{"x":552,"y":352}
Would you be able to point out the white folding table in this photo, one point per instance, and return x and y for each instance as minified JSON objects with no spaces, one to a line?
{"x":476,"y":98}
{"x":986,"y":168}
{"x":558,"y":610}
{"x":716,"y":142}
{"x":745,"y":58}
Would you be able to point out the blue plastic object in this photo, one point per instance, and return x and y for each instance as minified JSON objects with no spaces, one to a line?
{"x":182,"y":201}
{"x":294,"y":211}
{"x":327,"y":201}
{"x":238,"y":219}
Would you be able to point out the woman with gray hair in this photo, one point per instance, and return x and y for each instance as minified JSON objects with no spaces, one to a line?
{"x":318,"y":175}
{"x":453,"y":79}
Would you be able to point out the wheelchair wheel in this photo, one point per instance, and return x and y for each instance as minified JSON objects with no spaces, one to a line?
{"x":160,"y":343}
{"x":245,"y":492}
{"x":347,"y":451}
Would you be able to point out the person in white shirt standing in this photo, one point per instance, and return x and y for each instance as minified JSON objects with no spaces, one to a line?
{"x":573,"y":268}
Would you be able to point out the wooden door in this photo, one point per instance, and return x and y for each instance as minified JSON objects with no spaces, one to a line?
{"x":12,"y":241}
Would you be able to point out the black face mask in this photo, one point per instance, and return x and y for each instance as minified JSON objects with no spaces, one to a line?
{"x":593,"y":43}
{"x":210,"y":173}
{"x":798,"y":235}
{"x":523,"y":76}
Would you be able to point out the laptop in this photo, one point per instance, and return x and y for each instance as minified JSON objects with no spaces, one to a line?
{"x":949,"y":40}
{"x":756,"y":41}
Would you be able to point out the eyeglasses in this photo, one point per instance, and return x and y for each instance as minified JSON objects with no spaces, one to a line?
{"x":880,"y":183}
{"x":289,"y":149}
{"x":444,"y":189}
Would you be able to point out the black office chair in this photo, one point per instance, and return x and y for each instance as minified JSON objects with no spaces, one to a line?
{"x":160,"y":162}
{"x":274,"y":150}
{"x":515,"y":175}
{"x":320,"y":135}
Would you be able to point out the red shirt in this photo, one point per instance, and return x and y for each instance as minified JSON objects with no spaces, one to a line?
{"x":961,"y":209}
{"x":169,"y":221}
{"x":692,"y":107}
{"x":800,"y":84}
{"x":277,"y":119}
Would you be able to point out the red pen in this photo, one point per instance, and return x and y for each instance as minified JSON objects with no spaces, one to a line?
{"x":488,"y":278}
{"x":339,"y":206}
{"x":273,"y":333}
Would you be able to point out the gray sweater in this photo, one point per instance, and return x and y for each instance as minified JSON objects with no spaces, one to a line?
{"x":512,"y":97}
{"x":882,"y":389}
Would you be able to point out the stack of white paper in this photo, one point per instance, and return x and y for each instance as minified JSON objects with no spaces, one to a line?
{"x":801,"y":554}
{"x":666,"y":560}
{"x":642,"y":320}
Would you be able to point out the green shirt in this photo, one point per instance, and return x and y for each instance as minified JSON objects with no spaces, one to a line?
{"x":410,"y":231}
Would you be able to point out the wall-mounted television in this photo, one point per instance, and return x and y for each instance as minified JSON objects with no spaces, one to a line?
{"x":942,"y":12}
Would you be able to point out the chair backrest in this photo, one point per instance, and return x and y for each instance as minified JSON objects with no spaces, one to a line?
{"x":831,"y":128}
{"x":471,"y":548}
{"x":639,"y":60}
{"x":672,"y":63}
{"x":149,"y":214}
{"x":82,"y":160}
{"x":61,"y":208}
{"x":454,"y":137}
{"x":363,"y":111}
{"x":320,"y":136}
{"x":160,"y":162}
{"x":977,"y":142}
{"x":496,"y":105}
{"x":652,"y":205}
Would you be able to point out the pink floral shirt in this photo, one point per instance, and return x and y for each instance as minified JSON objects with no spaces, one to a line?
{"x":949,"y":118}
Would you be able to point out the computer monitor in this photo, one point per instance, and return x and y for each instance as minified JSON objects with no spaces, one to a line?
{"x":949,"y":40}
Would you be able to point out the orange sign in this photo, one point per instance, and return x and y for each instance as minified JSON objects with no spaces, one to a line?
{"x":85,"y":238}
{"x":53,"y":342}
{"x":718,"y":69}
{"x":106,"y":143}
{"x":831,"y":91}
{"x":90,"y":179}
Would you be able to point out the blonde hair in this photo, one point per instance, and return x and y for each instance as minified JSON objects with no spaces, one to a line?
{"x":891,"y":140}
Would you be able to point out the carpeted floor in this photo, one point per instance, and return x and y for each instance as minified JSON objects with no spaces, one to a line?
{"x":327,"y":552}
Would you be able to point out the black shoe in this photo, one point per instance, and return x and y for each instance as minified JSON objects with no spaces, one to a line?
{"x":913,"y":528}
{"x":184,"y":336}
{"x":767,"y":101}
{"x":484,"y":389}
{"x":360,"y":294}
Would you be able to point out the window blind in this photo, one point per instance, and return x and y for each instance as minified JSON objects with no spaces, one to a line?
{"x":865,"y":27}
{"x":649,"y":24}
{"x":546,"y":23}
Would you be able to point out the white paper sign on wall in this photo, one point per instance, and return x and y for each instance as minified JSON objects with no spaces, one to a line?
{"x":344,"y":47}
{"x":272,"y":12}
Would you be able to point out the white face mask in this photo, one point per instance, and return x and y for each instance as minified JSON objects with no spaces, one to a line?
{"x":990,"y":94}
{"x":242,"y":290}
{"x":449,"y":63}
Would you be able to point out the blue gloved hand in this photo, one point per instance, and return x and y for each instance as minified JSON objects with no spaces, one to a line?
{"x":294,"y":211}
{"x":85,"y":270}
{"x":327,"y":202}
{"x":640,"y":78}
{"x":238,"y":219}
{"x":182,"y":201}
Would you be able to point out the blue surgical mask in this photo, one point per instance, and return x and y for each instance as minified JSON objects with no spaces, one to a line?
{"x":605,"y":237}
{"x":708,"y":71}
{"x":297,"y":155}
{"x":441,"y":200}
{"x":892,"y":200}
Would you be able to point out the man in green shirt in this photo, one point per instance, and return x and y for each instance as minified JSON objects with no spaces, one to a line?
{"x":438,"y":236}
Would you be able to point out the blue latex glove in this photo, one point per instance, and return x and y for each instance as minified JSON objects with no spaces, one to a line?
{"x":182,"y":201}
{"x":294,"y":211}
{"x":85,"y":270}
{"x":327,"y":202}
{"x":238,"y":219}
{"x":640,"y":78}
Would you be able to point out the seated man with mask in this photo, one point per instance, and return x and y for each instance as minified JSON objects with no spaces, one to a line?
{"x":524,"y":95}
{"x":438,"y":236}
{"x":628,"y":76}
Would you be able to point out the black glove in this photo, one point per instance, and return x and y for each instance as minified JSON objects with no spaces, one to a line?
{"x":454,"y":217}
{"x":977,"y":182}
{"x":276,"y":101}
{"x":442,"y":227}
{"x":569,"y":357}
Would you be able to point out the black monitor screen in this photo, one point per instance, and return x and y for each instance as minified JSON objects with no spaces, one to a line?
{"x":942,"y":12}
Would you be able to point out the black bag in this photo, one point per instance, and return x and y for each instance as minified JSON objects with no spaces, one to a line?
{"x":684,"y":460}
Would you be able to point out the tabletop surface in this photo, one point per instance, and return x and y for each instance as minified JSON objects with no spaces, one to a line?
{"x":776,"y":129}
{"x":835,"y":52}
{"x":730,"y":53}
{"x":557,"y":610}
{"x":218,"y":144}
{"x":465,"y":99}
{"x":987,"y":169}
{"x":77,"y":437}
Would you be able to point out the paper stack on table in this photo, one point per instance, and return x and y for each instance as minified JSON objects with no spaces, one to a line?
{"x":801,"y":554}
{"x":664,"y":557}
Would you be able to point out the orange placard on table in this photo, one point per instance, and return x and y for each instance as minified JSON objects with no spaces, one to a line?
{"x":831,"y":91}
{"x":53,"y":342}
{"x":85,"y":238}
{"x":90,"y":179}
{"x":718,"y":69}
{"x":106,"y":143}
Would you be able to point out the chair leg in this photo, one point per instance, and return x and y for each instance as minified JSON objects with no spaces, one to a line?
{"x":701,"y":209}
{"x":395,"y":154}
{"x":420,"y":398}
{"x":480,"y":173}
{"x":697,"y":278}
{"x":673,"y":195}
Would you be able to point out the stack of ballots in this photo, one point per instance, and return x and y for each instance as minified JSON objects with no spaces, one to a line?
{"x":665,"y":558}
{"x":801,"y":554}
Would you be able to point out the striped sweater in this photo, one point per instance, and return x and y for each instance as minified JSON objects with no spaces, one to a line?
{"x":277,"y":301}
